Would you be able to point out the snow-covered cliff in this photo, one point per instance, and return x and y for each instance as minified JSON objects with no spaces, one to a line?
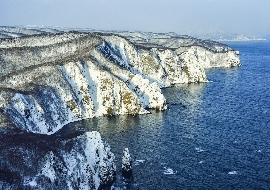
{"x":48,"y":80}
{"x":50,"y":77}
{"x":44,"y":87}
{"x":30,"y":161}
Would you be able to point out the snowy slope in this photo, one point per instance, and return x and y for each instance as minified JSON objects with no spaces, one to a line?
{"x":52,"y":76}
{"x":29,"y":161}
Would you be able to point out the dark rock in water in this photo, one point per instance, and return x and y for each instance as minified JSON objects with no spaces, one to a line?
{"x":126,"y":163}
{"x":184,"y":106}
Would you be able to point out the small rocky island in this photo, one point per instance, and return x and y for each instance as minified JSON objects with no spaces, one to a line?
{"x":50,"y":77}
{"x":126,"y":163}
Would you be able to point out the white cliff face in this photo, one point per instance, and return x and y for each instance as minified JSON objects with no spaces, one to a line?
{"x":208,"y":59}
{"x":94,"y":165}
{"x":88,"y":92}
{"x":191,"y":67}
{"x":48,"y":81}
{"x":82,"y":162}
{"x":162,"y":66}
{"x":167,"y":59}
{"x":48,"y":96}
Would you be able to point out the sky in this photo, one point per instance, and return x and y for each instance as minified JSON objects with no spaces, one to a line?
{"x":249,"y":17}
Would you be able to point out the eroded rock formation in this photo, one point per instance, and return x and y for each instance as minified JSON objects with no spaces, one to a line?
{"x":50,"y":77}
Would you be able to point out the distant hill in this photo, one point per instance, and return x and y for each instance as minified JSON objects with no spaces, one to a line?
{"x":220,"y":35}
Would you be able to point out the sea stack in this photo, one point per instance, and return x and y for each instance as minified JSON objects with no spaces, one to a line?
{"x":126,"y":163}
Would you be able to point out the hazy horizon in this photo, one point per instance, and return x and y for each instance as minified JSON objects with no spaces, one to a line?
{"x":250,"y":18}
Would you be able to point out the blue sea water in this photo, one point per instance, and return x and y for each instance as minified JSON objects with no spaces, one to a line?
{"x":215,"y":135}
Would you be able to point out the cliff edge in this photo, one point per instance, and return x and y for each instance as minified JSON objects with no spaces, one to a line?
{"x":48,"y":79}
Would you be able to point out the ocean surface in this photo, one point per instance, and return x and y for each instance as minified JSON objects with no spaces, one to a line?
{"x":214,"y":135}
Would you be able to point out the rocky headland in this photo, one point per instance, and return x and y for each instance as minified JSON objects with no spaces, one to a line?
{"x":50,"y":77}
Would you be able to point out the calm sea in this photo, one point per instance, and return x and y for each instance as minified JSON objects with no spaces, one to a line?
{"x":214,"y":136}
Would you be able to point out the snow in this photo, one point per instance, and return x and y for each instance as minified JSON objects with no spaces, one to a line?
{"x":50,"y":80}
{"x":48,"y":169}
{"x":88,"y":159}
{"x":95,"y":74}
{"x":33,"y":183}
{"x":126,"y":158}
{"x":81,"y":162}
{"x":126,"y":162}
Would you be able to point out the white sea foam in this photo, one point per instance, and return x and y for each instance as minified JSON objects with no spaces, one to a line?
{"x":138,"y":162}
{"x":233,"y":173}
{"x":199,"y":149}
{"x":169,"y":171}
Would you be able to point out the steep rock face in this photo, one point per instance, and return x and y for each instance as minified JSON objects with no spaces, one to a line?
{"x":161,"y":65}
{"x":207,"y":59}
{"x":167,"y":58}
{"x":48,"y":79}
{"x":29,"y":161}
{"x":42,"y":89}
{"x":75,"y":94}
